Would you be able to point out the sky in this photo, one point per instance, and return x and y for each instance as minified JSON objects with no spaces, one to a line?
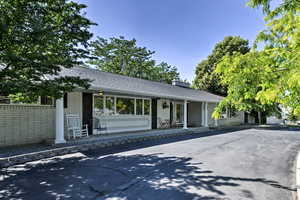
{"x":181,"y":32}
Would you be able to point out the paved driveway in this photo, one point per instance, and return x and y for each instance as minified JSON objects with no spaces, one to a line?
{"x":240,"y":165}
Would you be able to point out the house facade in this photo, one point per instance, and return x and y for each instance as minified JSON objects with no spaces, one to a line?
{"x":121,"y":103}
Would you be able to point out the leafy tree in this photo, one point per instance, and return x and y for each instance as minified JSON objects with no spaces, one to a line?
{"x":264,"y":78}
{"x":37,"y":38}
{"x":205,"y":78}
{"x":121,"y":56}
{"x":165,"y":73}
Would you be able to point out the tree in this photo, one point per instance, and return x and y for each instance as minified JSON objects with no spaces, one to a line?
{"x":165,"y":73}
{"x":205,"y":78}
{"x":37,"y":39}
{"x":121,"y":56}
{"x":264,"y":78}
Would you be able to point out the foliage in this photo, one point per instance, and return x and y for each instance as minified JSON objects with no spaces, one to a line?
{"x":205,"y":78}
{"x":271,"y":76}
{"x":121,"y":56}
{"x":37,"y":38}
{"x":292,"y":118}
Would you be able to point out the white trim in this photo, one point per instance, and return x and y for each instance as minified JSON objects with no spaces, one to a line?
{"x":206,"y":114}
{"x":115,"y":104}
{"x":202,"y":114}
{"x":185,"y":115}
{"x":135,"y":107}
{"x":143,"y":107}
{"x":59,"y":121}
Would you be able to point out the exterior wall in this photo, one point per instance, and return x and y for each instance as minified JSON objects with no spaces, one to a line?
{"x":274,"y":120}
{"x":26,"y":124}
{"x":123,"y":123}
{"x":237,"y":120}
{"x":210,"y":110}
{"x":74,"y":104}
{"x":163,"y":113}
{"x":194,"y":114}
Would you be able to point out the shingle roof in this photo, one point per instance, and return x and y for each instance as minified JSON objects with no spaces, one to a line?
{"x":110,"y":82}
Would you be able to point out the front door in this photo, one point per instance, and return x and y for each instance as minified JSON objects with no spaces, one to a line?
{"x":87,"y":111}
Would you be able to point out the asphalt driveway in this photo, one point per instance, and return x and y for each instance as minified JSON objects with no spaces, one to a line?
{"x":240,"y":165}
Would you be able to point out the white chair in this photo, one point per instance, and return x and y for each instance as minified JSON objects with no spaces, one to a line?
{"x":75,"y":127}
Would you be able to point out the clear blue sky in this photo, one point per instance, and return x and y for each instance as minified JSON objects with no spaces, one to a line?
{"x":181,"y":32}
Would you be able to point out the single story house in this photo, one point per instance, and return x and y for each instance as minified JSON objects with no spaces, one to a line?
{"x":122,"y":103}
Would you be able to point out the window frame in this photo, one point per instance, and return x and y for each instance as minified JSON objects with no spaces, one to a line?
{"x":126,"y":97}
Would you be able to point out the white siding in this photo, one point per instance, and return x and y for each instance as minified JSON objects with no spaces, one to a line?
{"x":194,"y":114}
{"x":210,"y":110}
{"x":237,"y":120}
{"x":74,"y":103}
{"x":123,"y":123}
{"x":163,"y":113}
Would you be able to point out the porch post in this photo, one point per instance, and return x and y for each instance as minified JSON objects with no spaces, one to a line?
{"x":185,"y":115}
{"x":59,"y":123}
{"x":206,"y":115}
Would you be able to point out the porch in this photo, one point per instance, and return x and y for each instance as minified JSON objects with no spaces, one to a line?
{"x":121,"y":113}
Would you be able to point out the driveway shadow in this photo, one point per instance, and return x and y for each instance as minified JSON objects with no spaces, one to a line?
{"x":94,"y":176}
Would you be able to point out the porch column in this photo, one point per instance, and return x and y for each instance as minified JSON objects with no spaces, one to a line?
{"x":202,"y":114}
{"x":185,"y":115}
{"x":206,"y":115}
{"x":59,"y":122}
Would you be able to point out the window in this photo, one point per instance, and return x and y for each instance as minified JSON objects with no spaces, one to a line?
{"x":224,"y":113}
{"x":110,"y":105}
{"x":146,"y":107}
{"x":232,"y":112}
{"x":139,"y":106}
{"x":98,"y":105}
{"x":228,"y":113}
{"x":125,"y":106}
{"x":114,"y":105}
{"x":179,"y":112}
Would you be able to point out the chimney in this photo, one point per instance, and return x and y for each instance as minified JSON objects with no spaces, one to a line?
{"x":181,"y":84}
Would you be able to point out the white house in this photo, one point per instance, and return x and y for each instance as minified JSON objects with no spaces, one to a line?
{"x":121,"y":102}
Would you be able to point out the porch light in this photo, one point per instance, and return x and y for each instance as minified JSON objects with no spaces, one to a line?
{"x":100,"y":93}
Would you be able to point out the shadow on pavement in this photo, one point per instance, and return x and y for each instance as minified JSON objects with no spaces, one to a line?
{"x":92,"y":176}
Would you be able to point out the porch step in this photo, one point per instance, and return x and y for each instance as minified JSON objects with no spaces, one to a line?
{"x":96,"y":143}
